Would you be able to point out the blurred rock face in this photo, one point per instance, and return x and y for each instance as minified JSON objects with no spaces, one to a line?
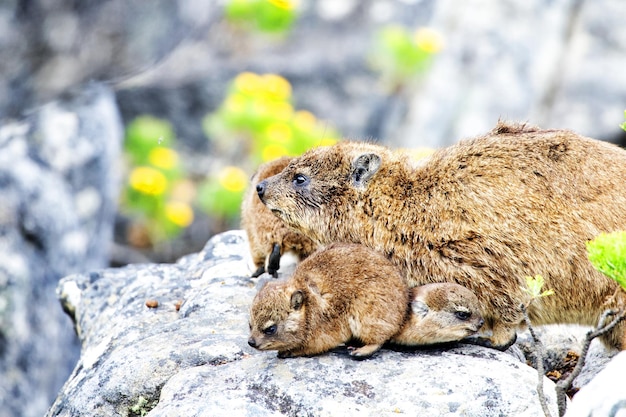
{"x":48,"y":47}
{"x":56,"y":217}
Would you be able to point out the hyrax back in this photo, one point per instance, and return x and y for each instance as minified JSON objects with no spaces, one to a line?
{"x":268,"y":236}
{"x":339,"y":293}
{"x":440,"y":312}
{"x":484,"y":213}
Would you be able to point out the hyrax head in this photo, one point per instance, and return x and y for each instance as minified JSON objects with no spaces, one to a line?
{"x":277,"y":319}
{"x":445,"y":312}
{"x":321,"y":185}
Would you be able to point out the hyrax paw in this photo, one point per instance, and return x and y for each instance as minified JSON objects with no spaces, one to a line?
{"x":286,"y":354}
{"x":486,"y":342}
{"x":363,"y":351}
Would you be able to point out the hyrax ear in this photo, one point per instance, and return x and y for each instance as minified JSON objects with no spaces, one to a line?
{"x":419,"y":308}
{"x":297,"y":298}
{"x":364,"y":167}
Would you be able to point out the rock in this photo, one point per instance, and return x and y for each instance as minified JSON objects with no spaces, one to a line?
{"x":50,"y":46}
{"x":560,"y":341}
{"x":56,"y":218}
{"x":138,"y":360}
{"x":555,"y":65}
{"x":604,"y":395}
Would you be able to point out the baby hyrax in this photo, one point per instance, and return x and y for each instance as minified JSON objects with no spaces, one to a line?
{"x":268,"y":236}
{"x":440,"y":313}
{"x":484,"y":213}
{"x":340,"y":293}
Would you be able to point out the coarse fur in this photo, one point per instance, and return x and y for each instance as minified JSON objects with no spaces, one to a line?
{"x":483,"y":213}
{"x":340,"y":293}
{"x":440,"y":313}
{"x":268,"y":236}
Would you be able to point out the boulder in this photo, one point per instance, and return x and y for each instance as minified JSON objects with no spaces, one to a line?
{"x":171,"y":339}
{"x":604,"y":395}
{"x":58,"y":198}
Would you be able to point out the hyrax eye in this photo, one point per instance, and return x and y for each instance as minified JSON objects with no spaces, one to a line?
{"x":463,"y":315}
{"x":270,"y":330}
{"x":300,"y":180}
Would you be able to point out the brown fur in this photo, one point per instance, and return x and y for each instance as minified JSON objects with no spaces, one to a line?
{"x":265,"y":230}
{"x":441,"y":312}
{"x":339,"y":293}
{"x":484,"y":213}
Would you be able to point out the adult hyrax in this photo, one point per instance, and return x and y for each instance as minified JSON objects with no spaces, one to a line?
{"x":484,"y":213}
{"x":340,"y":293}
{"x":268,"y":236}
{"x":440,"y":312}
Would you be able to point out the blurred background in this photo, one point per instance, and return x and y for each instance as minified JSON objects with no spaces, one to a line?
{"x":129,"y":129}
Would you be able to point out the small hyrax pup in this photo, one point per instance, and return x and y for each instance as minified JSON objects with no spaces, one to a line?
{"x":268,"y":236}
{"x":340,"y":293}
{"x":441,"y":312}
{"x":484,"y":213}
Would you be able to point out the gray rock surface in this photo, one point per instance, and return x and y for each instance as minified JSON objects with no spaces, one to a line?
{"x":50,"y":46}
{"x":57,"y":206}
{"x":604,"y":395}
{"x":196,"y":362}
{"x":556,"y":64}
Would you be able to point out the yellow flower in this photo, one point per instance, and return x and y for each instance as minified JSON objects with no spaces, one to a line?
{"x":248,"y":82}
{"x":148,"y":180}
{"x":276,"y":86}
{"x":235,"y":103}
{"x":304,"y":120}
{"x":279,"y":132}
{"x":179,"y":213}
{"x":280,"y":110}
{"x":327,"y":141}
{"x":272,"y":151}
{"x":419,"y":153}
{"x":233,"y":179}
{"x":164,"y":158}
{"x":282,"y":4}
{"x":428,"y":40}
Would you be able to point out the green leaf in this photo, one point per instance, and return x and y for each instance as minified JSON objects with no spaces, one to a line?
{"x":534,"y":285}
{"x":607,"y":253}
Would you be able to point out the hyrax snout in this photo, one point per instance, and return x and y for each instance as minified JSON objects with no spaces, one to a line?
{"x":268,"y":236}
{"x":484,"y":213}
{"x":341,"y":293}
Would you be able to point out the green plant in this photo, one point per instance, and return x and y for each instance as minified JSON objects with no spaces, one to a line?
{"x":623,"y":125}
{"x":400,"y":55}
{"x":256,"y":123}
{"x":607,"y":253}
{"x":270,"y":16}
{"x":534,"y":286}
{"x":152,"y":195}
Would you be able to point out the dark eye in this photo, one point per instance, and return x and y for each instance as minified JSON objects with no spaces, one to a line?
{"x":463,"y":315}
{"x":300,"y":180}
{"x":270,"y":330}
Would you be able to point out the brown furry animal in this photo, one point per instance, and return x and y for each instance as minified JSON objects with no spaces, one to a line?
{"x":441,"y":312}
{"x":268,"y":236}
{"x":339,"y":293}
{"x":484,"y":213}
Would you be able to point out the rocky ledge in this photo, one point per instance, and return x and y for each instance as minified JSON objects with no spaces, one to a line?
{"x":171,"y":339}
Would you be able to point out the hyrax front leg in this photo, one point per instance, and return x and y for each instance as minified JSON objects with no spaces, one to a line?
{"x":273,"y":261}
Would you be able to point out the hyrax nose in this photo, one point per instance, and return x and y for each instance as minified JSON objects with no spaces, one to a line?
{"x":260,"y":189}
{"x":252,"y":342}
